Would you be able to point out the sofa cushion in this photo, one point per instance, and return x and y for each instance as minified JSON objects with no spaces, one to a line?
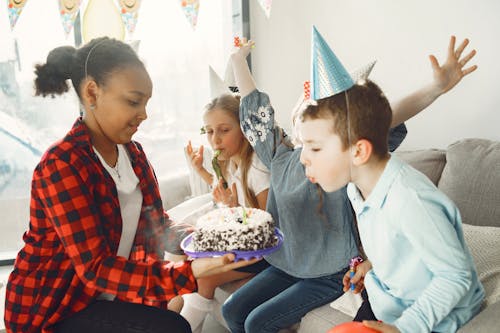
{"x":322,"y":319}
{"x":487,"y":321}
{"x":174,"y":189}
{"x":428,"y":161}
{"x":471,"y":178}
{"x":484,"y":243}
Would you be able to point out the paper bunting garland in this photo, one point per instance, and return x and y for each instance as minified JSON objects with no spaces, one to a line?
{"x":68,"y":9}
{"x":190,"y":9}
{"x":129,"y":10}
{"x":15,"y":7}
{"x":266,"y":6}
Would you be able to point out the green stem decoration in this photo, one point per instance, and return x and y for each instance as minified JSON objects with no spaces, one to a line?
{"x":217,"y":169}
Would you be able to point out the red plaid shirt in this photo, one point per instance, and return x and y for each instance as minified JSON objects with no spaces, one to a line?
{"x":69,"y":257}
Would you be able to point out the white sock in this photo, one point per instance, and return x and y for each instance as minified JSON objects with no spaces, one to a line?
{"x":217,"y":313}
{"x":195,"y":310}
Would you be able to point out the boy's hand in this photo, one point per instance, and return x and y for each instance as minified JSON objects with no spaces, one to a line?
{"x":244,"y":49}
{"x":358,"y":278}
{"x":227,"y":196}
{"x":453,"y":70}
{"x":195,"y":156}
{"x":380,"y":326}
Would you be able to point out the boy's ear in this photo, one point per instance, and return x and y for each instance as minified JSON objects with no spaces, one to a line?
{"x":362,"y":151}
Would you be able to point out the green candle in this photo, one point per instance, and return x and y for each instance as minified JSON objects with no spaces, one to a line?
{"x":244,"y":215}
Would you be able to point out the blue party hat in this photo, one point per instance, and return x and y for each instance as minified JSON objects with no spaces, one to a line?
{"x":328,"y":75}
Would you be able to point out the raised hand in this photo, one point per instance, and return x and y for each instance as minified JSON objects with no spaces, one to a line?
{"x":227,"y":196}
{"x":445,"y":78}
{"x":242,"y":75}
{"x":195,"y":156}
{"x":244,"y":48}
{"x":454,"y":69}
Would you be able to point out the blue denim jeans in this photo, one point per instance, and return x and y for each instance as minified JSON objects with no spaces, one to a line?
{"x":273,"y":300}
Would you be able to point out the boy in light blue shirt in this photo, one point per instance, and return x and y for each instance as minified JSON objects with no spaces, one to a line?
{"x":420,"y":276}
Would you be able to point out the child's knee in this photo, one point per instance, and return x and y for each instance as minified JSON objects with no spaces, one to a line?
{"x":228,"y":310}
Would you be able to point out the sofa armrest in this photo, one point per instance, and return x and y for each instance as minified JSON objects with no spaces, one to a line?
{"x":486,"y":321}
{"x":174,"y":189}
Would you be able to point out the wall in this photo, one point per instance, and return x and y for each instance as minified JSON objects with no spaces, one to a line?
{"x":399,"y":35}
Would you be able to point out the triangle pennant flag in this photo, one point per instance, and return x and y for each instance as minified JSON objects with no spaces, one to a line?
{"x":68,"y":10}
{"x":129,"y":10}
{"x":190,"y":9}
{"x":328,"y":75}
{"x":266,"y":6}
{"x":15,"y":7}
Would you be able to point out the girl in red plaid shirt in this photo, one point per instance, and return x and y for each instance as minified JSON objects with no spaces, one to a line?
{"x":92,"y":259}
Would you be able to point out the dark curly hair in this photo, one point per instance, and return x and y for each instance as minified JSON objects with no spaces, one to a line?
{"x":97,"y":59}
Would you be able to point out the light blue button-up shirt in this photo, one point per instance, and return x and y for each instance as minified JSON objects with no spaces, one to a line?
{"x":423,"y":277}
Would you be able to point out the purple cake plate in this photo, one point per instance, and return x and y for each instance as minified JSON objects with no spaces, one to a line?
{"x":238,"y":255}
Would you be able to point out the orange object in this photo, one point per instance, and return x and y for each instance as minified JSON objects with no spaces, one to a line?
{"x":307,"y":90}
{"x":351,"y":327}
{"x":237,"y":41}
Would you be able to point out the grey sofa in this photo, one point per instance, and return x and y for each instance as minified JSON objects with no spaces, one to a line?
{"x":468,"y":171}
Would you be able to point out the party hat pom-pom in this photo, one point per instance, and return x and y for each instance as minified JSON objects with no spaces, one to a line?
{"x":307,"y":90}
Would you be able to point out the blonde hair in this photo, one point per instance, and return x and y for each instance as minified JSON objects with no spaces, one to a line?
{"x":231,"y":105}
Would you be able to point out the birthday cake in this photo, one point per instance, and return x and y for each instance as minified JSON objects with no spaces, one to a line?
{"x":237,"y":228}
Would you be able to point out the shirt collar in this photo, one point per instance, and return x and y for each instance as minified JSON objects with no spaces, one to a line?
{"x":379,"y":193}
{"x":80,"y":135}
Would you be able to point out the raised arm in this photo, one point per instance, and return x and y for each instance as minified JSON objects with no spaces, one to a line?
{"x":242,"y":75}
{"x":445,"y":78}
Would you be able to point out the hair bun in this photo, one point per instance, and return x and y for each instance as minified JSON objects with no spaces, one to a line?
{"x":51,"y":77}
{"x":62,"y":58}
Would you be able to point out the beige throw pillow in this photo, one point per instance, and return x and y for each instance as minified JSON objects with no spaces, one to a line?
{"x":484,"y":244}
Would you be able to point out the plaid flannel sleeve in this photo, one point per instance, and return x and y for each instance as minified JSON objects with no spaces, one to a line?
{"x":74,"y":214}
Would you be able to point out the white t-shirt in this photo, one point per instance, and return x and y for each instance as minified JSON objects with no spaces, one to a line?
{"x":130,"y":198}
{"x":258,"y":178}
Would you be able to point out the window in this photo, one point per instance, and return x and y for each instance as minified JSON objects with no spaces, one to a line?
{"x":176,"y":56}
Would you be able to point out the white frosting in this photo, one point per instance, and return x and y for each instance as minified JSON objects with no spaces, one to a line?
{"x":225,"y":218}
{"x":226,"y":229}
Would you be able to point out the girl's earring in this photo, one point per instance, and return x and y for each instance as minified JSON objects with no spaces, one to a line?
{"x":92,"y":107}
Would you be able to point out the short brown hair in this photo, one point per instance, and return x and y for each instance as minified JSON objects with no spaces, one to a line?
{"x":369,"y":112}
